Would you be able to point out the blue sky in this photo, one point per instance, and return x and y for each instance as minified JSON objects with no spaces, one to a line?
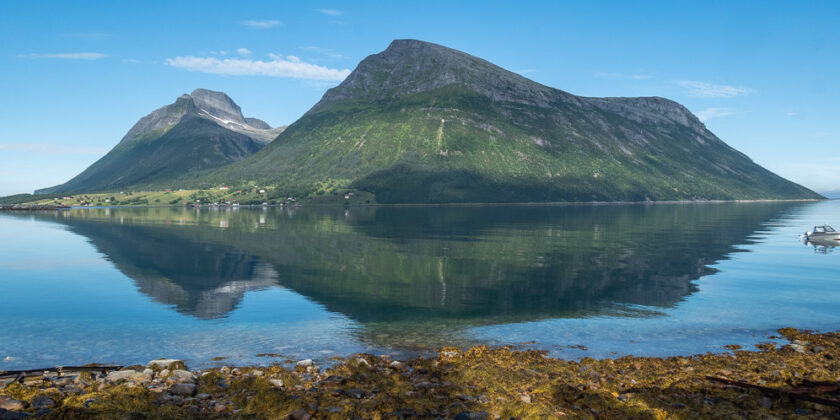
{"x":75,"y":76}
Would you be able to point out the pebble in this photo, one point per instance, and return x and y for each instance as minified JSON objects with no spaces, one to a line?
{"x":525,"y":398}
{"x":276,"y":382}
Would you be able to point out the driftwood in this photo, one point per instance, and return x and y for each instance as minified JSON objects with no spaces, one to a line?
{"x":803,"y":394}
{"x":18,"y":375}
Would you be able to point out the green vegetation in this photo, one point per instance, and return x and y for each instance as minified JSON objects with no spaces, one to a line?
{"x":459,"y":143}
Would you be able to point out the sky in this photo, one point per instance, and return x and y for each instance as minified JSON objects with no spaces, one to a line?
{"x":75,"y":76}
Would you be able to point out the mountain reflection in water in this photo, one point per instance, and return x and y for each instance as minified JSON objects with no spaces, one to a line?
{"x":383,"y":266}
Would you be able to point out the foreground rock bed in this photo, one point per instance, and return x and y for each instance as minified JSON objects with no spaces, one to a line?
{"x":478,"y":383}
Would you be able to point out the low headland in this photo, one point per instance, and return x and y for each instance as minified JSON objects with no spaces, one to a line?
{"x":800,"y":379}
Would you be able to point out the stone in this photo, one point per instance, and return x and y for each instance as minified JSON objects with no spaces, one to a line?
{"x":355,"y":393}
{"x":276,"y":382}
{"x":820,"y":349}
{"x":466,"y":415}
{"x":525,"y":398}
{"x":799,"y":348}
{"x":203,"y":396}
{"x":11,"y":404}
{"x":333,"y":380}
{"x":299,"y":414}
{"x":257,"y":373}
{"x":119,"y":375}
{"x":183,"y":389}
{"x":396,"y":365}
{"x":162,"y":363}
{"x":304,"y":363}
{"x":12,"y":415}
{"x":362,"y":361}
{"x":164,"y":373}
{"x":43,"y":412}
{"x":182,"y":376}
{"x":766,"y":402}
{"x":143,"y":376}
{"x":42,"y":401}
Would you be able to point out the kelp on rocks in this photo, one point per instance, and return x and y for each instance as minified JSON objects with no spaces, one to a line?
{"x":479,"y":382}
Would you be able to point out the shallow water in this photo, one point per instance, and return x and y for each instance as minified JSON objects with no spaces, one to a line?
{"x":128,"y":285}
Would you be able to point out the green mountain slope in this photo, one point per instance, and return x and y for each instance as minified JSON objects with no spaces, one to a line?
{"x":199,"y":132}
{"x":422,"y":123}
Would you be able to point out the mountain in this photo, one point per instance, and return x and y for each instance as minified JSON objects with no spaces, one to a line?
{"x":422,"y":123}
{"x":197,"y":133}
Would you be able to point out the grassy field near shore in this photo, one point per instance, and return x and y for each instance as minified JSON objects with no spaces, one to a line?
{"x":796,"y":380}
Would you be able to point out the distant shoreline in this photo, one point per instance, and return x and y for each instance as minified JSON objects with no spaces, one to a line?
{"x":349,"y":204}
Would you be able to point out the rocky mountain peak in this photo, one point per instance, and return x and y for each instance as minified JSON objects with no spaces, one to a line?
{"x":218,"y":105}
{"x":211,"y":105}
{"x":410,"y":66}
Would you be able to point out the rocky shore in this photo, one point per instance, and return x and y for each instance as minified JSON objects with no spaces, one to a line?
{"x":796,"y":380}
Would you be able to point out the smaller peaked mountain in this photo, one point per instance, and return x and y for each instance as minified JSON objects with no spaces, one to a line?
{"x":423,"y":123}
{"x":197,"y":133}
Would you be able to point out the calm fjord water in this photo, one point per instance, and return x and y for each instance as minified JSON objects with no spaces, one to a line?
{"x":128,"y":285}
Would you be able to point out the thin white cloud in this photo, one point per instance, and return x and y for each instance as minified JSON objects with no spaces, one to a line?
{"x":332,"y":12}
{"x":243,"y":52}
{"x":261,"y":24}
{"x":623,"y":75}
{"x":130,"y":60}
{"x":711,"y":90}
{"x":325,"y":51}
{"x":53,"y":149}
{"x":278,"y":66}
{"x":67,"y":56}
{"x":709,"y":113}
{"x":791,"y":114}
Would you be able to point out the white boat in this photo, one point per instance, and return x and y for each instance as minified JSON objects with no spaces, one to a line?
{"x":824,"y":233}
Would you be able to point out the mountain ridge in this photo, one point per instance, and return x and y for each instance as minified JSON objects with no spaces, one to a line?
{"x":424,"y":123}
{"x":198,"y":132}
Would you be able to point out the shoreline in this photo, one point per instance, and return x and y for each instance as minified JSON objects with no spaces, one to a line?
{"x":430,"y":205}
{"x":800,"y":379}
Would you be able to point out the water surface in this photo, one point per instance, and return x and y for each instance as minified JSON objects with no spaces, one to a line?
{"x":123,"y":285}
